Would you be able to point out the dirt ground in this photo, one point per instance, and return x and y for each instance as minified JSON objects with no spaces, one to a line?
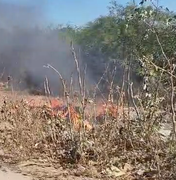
{"x":7,"y":174}
{"x":30,"y":171}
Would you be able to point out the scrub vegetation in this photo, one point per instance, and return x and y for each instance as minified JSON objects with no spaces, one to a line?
{"x":119,"y":125}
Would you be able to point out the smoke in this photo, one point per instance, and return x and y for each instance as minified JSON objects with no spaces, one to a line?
{"x":13,"y":14}
{"x":25,"y":48}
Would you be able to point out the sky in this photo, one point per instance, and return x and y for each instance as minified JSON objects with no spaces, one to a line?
{"x":77,"y":12}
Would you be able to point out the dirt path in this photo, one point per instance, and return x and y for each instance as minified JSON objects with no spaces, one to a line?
{"x":7,"y":174}
{"x":30,"y":171}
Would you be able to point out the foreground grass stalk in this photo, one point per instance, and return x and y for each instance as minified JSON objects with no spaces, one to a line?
{"x":66,"y":95}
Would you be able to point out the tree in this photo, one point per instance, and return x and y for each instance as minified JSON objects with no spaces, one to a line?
{"x":127,"y":34}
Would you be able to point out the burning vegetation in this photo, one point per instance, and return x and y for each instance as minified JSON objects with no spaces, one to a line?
{"x":91,"y":114}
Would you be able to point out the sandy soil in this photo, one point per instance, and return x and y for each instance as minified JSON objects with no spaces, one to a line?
{"x":6,"y":174}
{"x":34,"y":170}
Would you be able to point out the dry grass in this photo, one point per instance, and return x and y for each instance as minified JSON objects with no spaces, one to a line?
{"x":117,"y":147}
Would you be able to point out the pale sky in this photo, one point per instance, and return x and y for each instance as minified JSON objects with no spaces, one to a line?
{"x":77,"y":12}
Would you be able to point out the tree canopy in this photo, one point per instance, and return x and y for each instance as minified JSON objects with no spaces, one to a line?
{"x":127,"y":34}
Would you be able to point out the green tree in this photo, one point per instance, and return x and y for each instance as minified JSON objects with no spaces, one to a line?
{"x":127,"y":34}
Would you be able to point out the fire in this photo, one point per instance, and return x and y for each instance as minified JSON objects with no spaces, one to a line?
{"x":69,"y":112}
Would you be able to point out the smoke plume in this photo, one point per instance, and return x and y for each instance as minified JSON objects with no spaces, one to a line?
{"x":25,"y":48}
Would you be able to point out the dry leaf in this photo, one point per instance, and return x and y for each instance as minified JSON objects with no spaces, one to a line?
{"x":114,"y":171}
{"x":127,"y":167}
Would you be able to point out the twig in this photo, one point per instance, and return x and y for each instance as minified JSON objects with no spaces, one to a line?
{"x":47,"y":87}
{"x":66,"y":94}
{"x":98,"y":83}
{"x":172,"y":69}
{"x":77,"y":68}
{"x":132,"y":97}
{"x":61,"y":78}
